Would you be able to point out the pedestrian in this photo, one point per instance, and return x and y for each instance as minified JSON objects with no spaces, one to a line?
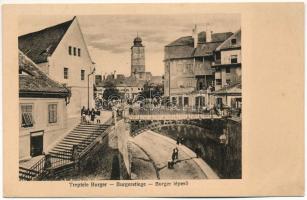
{"x":174,"y":156}
{"x":82,"y":110}
{"x":93,"y":114}
{"x":198,"y":152}
{"x":178,"y":140}
{"x":83,"y":115}
{"x":182,"y":139}
{"x":176,"y":153}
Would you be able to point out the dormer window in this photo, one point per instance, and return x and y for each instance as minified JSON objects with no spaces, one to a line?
{"x":233,"y":41}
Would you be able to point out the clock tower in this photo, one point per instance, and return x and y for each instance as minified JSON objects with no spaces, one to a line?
{"x":138,"y":58}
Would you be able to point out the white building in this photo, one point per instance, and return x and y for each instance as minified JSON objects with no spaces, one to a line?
{"x":42,"y":110}
{"x":228,"y":73}
{"x":61,"y":52}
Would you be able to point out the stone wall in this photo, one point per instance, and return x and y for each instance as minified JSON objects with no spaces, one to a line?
{"x":224,"y":159}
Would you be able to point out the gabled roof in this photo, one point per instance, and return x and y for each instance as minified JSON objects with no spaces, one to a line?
{"x":33,"y":82}
{"x":231,"y":89}
{"x":227,"y":44}
{"x":41,"y":44}
{"x":184,"y":46}
{"x":189,"y":41}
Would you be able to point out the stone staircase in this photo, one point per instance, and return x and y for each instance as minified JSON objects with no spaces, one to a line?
{"x":82,"y":135}
{"x":62,"y":154}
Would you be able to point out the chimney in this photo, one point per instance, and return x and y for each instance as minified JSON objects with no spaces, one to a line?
{"x":195,"y":35}
{"x":115,"y":74}
{"x":208,"y":33}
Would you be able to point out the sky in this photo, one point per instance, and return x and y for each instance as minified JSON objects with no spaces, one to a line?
{"x":110,"y":37}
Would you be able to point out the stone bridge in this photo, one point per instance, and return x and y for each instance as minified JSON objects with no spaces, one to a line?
{"x":140,"y":125}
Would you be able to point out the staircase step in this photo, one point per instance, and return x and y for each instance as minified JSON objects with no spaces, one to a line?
{"x":82,"y":137}
{"x":27,"y":173}
{"x":87,"y":133}
{"x":65,"y":146}
{"x":22,"y":178}
{"x":59,"y":152}
{"x":61,"y":157}
{"x":84,"y":134}
{"x":61,"y":148}
{"x":78,"y":140}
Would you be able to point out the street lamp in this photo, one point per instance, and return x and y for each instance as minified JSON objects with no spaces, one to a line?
{"x":88,"y":87}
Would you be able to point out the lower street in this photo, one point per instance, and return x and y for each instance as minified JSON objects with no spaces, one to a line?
{"x":151,"y":153}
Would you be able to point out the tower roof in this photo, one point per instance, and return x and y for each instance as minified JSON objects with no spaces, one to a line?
{"x":137,"y":41}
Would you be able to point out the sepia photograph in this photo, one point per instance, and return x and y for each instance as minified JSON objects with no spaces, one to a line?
{"x":153,"y":100}
{"x":113,"y":97}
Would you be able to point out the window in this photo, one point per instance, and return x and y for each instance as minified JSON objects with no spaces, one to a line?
{"x":75,"y":51}
{"x":188,"y":68}
{"x":79,"y":52}
{"x":82,"y":74}
{"x":218,"y":81}
{"x":234,"y":59}
{"x":179,"y":67}
{"x":69,"y":50}
{"x":233,"y":41}
{"x":26,"y":115}
{"x":227,"y":69}
{"x":65,"y":73}
{"x":52,"y":113}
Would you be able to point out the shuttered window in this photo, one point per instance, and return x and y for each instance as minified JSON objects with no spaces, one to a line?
{"x":26,"y":115}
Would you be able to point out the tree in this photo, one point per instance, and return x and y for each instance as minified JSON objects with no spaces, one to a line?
{"x":152,"y":90}
{"x":110,"y":91}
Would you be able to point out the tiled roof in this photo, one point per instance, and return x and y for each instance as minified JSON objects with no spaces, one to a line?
{"x":231,"y":89}
{"x":184,"y":46}
{"x":33,"y":80}
{"x":130,"y":81}
{"x":189,"y":41}
{"x":41,"y":44}
{"x":206,"y":49}
{"x":156,"y":80}
{"x":227,"y":43}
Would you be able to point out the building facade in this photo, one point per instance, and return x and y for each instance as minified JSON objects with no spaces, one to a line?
{"x":61,"y":52}
{"x":42,"y":110}
{"x":128,"y":87}
{"x":227,"y":66}
{"x":189,"y":76}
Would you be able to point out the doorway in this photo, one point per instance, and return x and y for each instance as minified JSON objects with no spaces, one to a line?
{"x":36,"y":143}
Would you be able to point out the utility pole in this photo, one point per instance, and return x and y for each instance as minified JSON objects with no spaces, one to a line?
{"x":88,"y":88}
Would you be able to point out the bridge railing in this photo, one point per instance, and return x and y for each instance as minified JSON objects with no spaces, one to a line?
{"x":168,"y":111}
